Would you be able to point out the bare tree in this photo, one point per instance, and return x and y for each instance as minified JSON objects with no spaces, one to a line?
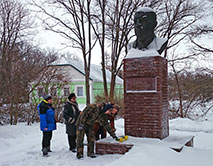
{"x":179,"y":89}
{"x":112,"y":24}
{"x":100,"y":34}
{"x":113,"y":28}
{"x":176,"y":20}
{"x":197,"y":38}
{"x":14,"y":23}
{"x":202,"y":32}
{"x":28,"y":67}
{"x":50,"y":81}
{"x":72,"y":21}
{"x":191,"y":89}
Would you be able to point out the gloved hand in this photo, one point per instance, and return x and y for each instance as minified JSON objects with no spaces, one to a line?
{"x":125,"y":137}
{"x":81,"y":127}
{"x":119,"y":139}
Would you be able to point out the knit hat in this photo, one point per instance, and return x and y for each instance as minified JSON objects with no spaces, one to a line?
{"x":47,"y":97}
{"x":71,"y":96}
{"x":107,"y":107}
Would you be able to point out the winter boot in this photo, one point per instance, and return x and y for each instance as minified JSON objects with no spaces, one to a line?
{"x":92,"y":155}
{"x":48,"y":148}
{"x":79,"y":156}
{"x":73,"y":150}
{"x":45,"y":151}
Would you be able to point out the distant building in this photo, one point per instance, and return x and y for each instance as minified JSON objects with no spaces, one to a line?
{"x":74,"y":73}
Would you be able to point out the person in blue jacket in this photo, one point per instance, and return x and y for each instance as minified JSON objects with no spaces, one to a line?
{"x":47,"y":122}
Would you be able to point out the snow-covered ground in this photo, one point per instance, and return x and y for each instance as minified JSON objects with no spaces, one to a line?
{"x":20,"y":145}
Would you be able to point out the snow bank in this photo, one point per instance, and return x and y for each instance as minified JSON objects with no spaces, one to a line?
{"x":21,"y":145}
{"x":184,"y":124}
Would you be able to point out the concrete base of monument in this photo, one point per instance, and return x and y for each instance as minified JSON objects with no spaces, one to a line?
{"x":174,"y":142}
{"x":110,"y":146}
{"x":177,"y":142}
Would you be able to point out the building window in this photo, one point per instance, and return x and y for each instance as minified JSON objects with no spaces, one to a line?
{"x":53,"y":92}
{"x":40,"y":91}
{"x":80,"y":91}
{"x":66,"y":91}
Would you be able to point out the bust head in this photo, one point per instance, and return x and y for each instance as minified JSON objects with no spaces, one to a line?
{"x":145,"y":21}
{"x":144,"y":25}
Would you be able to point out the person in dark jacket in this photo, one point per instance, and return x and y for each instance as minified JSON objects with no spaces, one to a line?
{"x":85,"y":125}
{"x":47,"y":122}
{"x":70,"y":114}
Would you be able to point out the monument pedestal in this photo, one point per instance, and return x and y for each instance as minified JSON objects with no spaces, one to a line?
{"x":145,"y":97}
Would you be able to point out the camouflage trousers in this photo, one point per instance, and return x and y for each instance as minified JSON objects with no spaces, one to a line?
{"x":90,"y":140}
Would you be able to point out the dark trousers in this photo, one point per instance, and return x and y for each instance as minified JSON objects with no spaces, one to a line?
{"x":47,"y":136}
{"x":90,"y":140}
{"x":72,"y":141}
{"x":101,"y":131}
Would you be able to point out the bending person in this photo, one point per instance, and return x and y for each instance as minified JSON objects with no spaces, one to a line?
{"x":85,"y":125}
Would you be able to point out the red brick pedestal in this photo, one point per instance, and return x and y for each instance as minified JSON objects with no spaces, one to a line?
{"x":145,"y":97}
{"x":112,"y":148}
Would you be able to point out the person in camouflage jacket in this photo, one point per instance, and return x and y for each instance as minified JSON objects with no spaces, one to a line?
{"x":85,"y":125}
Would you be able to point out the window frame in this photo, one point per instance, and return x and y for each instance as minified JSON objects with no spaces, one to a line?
{"x":55,"y":90}
{"x":66,"y":87}
{"x":38,"y":91}
{"x":76,"y":91}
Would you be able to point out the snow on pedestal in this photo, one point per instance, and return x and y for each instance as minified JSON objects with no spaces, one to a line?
{"x":136,"y":53}
{"x":173,"y":141}
{"x":145,"y":94}
{"x":177,"y":142}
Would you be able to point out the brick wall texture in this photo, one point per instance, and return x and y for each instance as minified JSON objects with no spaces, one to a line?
{"x":112,"y":148}
{"x":145,"y":97}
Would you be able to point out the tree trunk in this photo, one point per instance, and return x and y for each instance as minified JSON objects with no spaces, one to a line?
{"x":11,"y":116}
{"x":103,"y":54}
{"x":179,"y":91}
{"x":16,"y":115}
{"x":89,"y":53}
{"x":105,"y":81}
{"x":112,"y":87}
{"x":87,"y":90}
{"x":87,"y":82}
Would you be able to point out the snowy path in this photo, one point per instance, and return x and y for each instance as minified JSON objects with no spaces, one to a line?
{"x":21,"y":146}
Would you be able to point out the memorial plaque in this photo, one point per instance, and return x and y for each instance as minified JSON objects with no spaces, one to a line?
{"x":141,"y":84}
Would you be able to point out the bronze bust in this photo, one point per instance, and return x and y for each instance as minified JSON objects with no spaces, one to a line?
{"x":144,"y":26}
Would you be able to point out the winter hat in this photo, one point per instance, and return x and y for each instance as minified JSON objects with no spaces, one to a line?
{"x":107,"y":107}
{"x":47,"y":97}
{"x":71,"y":96}
{"x":117,"y":107}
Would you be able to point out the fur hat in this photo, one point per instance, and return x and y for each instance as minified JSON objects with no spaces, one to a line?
{"x":71,"y":96}
{"x":47,"y":97}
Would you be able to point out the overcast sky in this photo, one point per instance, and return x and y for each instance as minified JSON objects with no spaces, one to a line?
{"x":48,"y":39}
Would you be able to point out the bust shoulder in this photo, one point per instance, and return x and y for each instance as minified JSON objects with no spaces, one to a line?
{"x":157,"y":44}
